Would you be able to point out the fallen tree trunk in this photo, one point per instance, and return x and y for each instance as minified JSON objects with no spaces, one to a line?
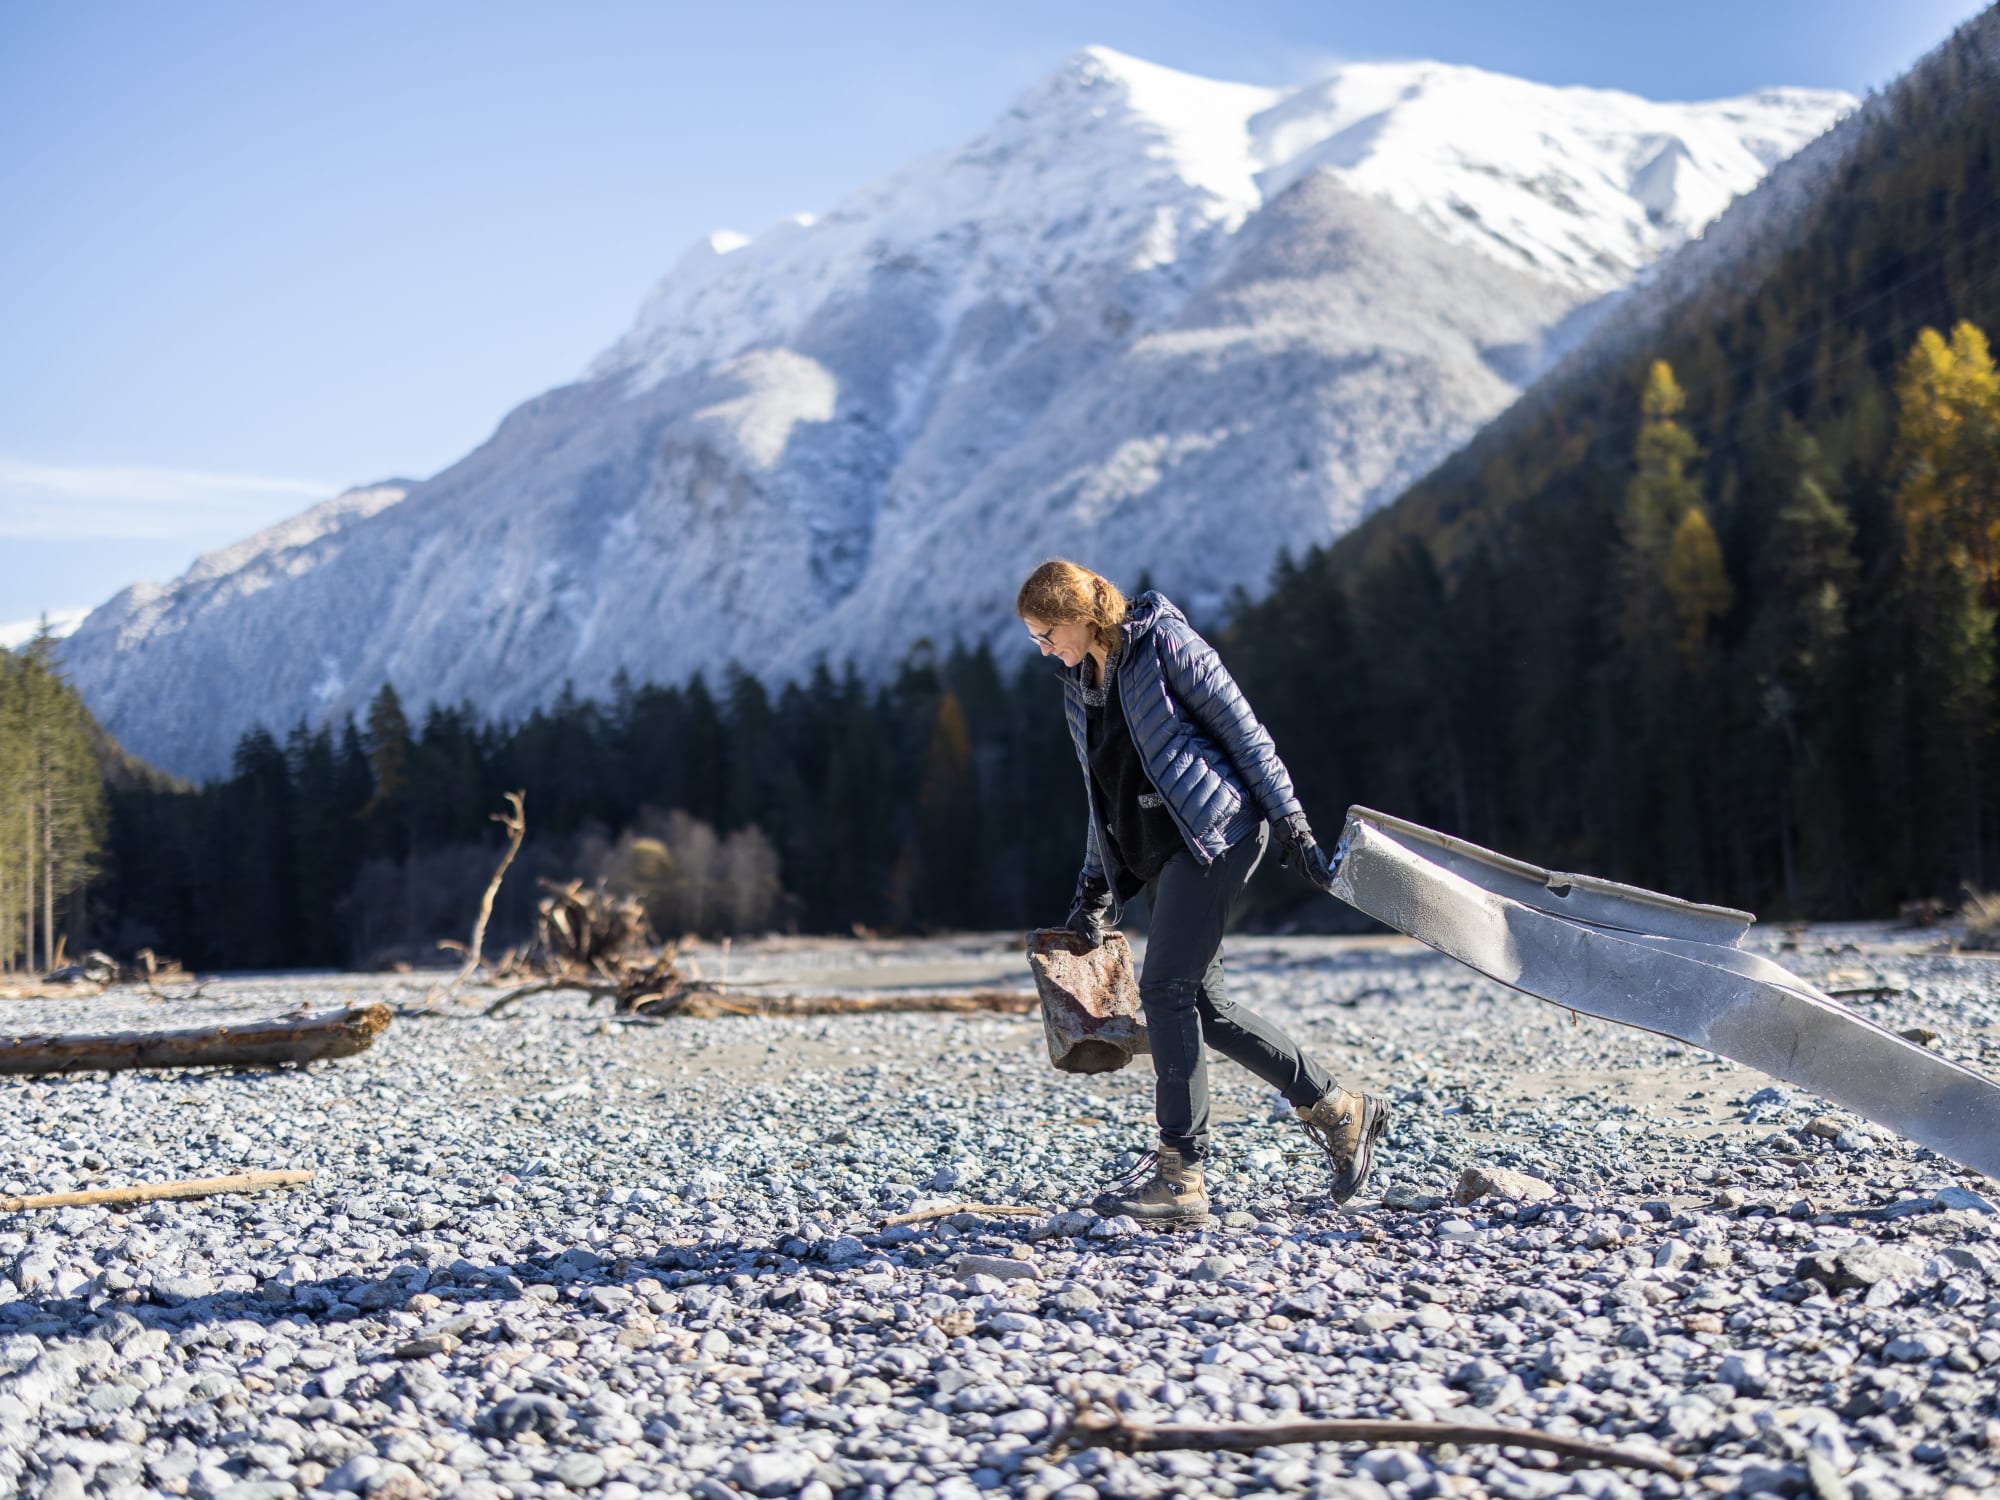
{"x":147,"y":1192}
{"x":249,"y":1044}
{"x":701,"y":1001}
{"x":703,"y":1004}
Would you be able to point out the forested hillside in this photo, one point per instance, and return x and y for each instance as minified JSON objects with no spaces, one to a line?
{"x":949,"y":798}
{"x":51,"y":805}
{"x":1711,"y":609}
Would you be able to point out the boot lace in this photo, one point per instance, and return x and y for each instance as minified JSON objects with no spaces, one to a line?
{"x":1143,"y":1170}
{"x":1323,"y":1138}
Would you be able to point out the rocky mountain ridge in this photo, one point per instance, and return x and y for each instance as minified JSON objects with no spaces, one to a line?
{"x":1161,"y":323}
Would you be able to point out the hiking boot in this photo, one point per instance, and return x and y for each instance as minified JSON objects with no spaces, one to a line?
{"x":1166,"y":1187}
{"x":1346,"y":1125}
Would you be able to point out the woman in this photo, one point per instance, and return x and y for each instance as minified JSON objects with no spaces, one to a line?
{"x":1185,"y":790}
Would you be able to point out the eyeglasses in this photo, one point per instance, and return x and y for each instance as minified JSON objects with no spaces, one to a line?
{"x":1046,"y":637}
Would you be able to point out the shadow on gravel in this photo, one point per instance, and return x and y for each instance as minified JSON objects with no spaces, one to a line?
{"x":597,"y":1286}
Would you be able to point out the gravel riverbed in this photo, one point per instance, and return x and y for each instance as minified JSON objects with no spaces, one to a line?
{"x":559,"y":1255}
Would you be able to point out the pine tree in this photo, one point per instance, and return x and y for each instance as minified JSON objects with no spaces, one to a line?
{"x":947,"y":821}
{"x":51,"y":796}
{"x":1799,"y":665}
{"x":1657,"y":498}
{"x":389,"y":766}
{"x":15,"y":863}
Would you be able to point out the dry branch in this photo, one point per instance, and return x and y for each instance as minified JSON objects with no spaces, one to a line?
{"x":251,"y":1044}
{"x":1090,"y":1429}
{"x":146,"y":1192}
{"x":596,"y":990}
{"x":946,"y":1210}
{"x":515,"y":821}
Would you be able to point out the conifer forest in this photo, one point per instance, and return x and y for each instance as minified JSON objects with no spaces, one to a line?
{"x":1715,"y":615}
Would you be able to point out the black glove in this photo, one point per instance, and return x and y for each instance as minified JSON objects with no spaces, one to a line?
{"x":1302,"y":852}
{"x":1088,"y":910}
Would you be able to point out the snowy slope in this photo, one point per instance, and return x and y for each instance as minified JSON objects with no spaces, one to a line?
{"x":1120,"y":164}
{"x":1154,"y":321}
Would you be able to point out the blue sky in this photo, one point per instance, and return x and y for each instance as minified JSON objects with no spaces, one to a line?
{"x":256,"y":253}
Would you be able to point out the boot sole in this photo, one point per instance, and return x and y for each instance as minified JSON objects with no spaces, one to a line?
{"x":1173,"y":1221}
{"x":1155,"y":1220}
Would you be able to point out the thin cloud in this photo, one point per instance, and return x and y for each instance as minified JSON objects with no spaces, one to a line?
{"x":60,"y":622}
{"x":52,"y":502}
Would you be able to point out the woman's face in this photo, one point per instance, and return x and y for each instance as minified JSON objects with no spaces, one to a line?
{"x":1070,"y":643}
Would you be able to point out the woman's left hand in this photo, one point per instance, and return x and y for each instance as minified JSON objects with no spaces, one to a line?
{"x":1303,"y":853}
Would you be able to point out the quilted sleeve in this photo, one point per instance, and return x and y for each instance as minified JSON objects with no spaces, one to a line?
{"x":1197,"y":678}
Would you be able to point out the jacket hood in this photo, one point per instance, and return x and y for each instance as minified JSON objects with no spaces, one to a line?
{"x":1145,"y":612}
{"x":1148,"y":610}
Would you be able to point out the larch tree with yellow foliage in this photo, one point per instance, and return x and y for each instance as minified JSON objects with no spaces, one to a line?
{"x":1948,"y":451}
{"x":1948,"y":506}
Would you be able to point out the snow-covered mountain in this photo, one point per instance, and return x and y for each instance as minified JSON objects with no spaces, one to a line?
{"x":1148,"y":320}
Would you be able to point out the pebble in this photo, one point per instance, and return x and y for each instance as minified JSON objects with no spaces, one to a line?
{"x":1409,"y":1195}
{"x":1000,"y":1267}
{"x":675,"y":1279}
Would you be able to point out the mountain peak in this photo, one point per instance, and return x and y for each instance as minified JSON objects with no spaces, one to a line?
{"x":1166,"y":322}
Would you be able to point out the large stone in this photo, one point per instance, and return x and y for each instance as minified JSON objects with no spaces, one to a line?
{"x":1475,"y":1183}
{"x":1006,"y":1268}
{"x":580,"y":1471}
{"x":1864,"y":1266}
{"x":1964,"y":1199}
{"x":528,"y":1412}
{"x":774,"y":1473}
{"x":1090,"y":1001}
{"x":1746,"y":1371}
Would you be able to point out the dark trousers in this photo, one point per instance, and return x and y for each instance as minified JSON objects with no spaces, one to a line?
{"x":1181,"y":989}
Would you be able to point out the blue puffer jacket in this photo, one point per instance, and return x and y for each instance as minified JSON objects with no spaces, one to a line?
{"x":1202,"y":748}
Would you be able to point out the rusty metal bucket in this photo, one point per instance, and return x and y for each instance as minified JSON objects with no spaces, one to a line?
{"x":1090,"y":1001}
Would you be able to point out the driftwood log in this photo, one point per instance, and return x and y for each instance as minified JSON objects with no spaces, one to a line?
{"x":147,"y":1192}
{"x":649,"y":995}
{"x":704,"y":1003}
{"x":248,"y":1044}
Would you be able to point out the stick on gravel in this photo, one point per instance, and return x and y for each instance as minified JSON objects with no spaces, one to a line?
{"x":1088,"y":1430}
{"x":251,"y":1044}
{"x":146,"y":1192}
{"x":946,"y":1210}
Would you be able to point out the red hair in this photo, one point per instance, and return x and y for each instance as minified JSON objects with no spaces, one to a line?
{"x":1060,"y":592}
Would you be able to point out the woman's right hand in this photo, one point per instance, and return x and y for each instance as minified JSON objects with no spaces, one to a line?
{"x":1087,"y":924}
{"x":1088,"y":910}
